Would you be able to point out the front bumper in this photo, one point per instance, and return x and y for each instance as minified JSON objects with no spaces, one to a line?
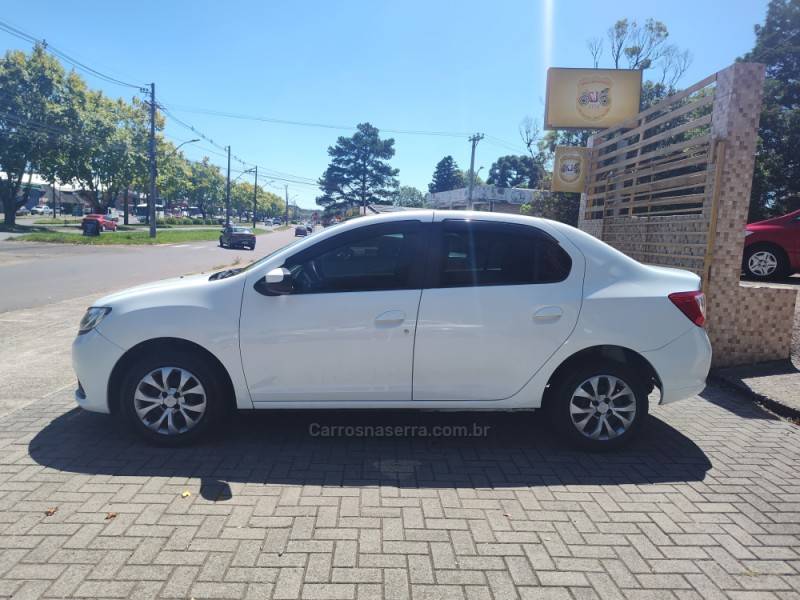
{"x":93,"y":358}
{"x":682,"y":365}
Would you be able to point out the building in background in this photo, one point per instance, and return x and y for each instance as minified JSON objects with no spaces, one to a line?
{"x":486,"y":197}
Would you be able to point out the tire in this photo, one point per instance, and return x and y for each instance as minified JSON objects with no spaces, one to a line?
{"x":194,"y":413}
{"x":765,"y":262}
{"x":573,"y":398}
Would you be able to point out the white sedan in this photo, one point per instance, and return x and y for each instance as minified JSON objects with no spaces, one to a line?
{"x":428,"y":310}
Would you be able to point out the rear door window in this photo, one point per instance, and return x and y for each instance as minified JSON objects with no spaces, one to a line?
{"x":475,"y":253}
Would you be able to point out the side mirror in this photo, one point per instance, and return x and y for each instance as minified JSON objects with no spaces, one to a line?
{"x":277,"y":282}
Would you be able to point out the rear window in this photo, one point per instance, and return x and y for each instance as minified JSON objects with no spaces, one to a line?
{"x":482,"y":254}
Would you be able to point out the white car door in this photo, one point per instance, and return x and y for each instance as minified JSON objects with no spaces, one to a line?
{"x":345,"y":332}
{"x":499,"y":299}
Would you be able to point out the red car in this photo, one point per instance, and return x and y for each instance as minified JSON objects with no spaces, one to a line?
{"x":102,"y":220}
{"x":772,"y":247}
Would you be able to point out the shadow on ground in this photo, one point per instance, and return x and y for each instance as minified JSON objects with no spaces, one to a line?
{"x":281,"y":448}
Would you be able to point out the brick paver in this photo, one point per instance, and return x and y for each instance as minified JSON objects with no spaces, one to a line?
{"x":705,"y":505}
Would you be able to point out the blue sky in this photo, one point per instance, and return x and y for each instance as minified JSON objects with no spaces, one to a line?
{"x":413,"y":65}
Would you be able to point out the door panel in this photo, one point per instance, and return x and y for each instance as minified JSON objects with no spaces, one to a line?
{"x":346,"y":330}
{"x":329,"y":346}
{"x":483,"y":338}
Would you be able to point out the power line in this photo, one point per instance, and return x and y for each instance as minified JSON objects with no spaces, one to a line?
{"x":8,"y":28}
{"x":454,"y":134}
{"x":230,"y":115}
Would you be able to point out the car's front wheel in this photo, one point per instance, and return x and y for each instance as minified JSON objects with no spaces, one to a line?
{"x":600,"y":406}
{"x":171,"y":397}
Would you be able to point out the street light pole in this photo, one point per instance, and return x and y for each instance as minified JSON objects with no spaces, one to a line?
{"x":228,"y":191}
{"x":255,"y":196}
{"x":152,"y":208}
{"x":286,"y":191}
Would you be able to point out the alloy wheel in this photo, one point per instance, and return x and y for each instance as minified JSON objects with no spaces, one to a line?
{"x":603,"y":407}
{"x":762,"y":263}
{"x":170,"y":400}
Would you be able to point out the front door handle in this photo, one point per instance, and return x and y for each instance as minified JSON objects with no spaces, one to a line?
{"x":391,"y":318}
{"x":548,"y":314}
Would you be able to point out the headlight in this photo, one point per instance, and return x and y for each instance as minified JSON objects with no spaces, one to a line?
{"x":92,"y":318}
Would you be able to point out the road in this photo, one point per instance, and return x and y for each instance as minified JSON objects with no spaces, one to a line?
{"x":35,"y":275}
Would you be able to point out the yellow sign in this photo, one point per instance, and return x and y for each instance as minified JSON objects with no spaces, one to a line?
{"x":591,"y":98}
{"x":569,"y":169}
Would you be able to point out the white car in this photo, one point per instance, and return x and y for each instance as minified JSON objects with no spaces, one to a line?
{"x":427,"y":310}
{"x":41,"y":210}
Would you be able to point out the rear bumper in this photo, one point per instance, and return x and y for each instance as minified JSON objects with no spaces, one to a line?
{"x":93,"y":358}
{"x":682,"y":365}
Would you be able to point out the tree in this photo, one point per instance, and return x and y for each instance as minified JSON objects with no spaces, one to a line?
{"x":776,"y":181}
{"x":514,"y":171}
{"x":408,"y":196}
{"x":207,"y":187}
{"x":446,"y":176}
{"x":644,"y":47}
{"x":359,"y":172}
{"x":32,"y":90}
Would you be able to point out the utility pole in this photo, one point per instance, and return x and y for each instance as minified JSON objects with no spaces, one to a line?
{"x":286,"y":191}
{"x":255,"y":197}
{"x":474,"y":140}
{"x":228,"y":191}
{"x":152,"y":208}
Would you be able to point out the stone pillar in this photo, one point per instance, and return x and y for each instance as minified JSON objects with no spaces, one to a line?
{"x":591,"y":226}
{"x":745,"y":323}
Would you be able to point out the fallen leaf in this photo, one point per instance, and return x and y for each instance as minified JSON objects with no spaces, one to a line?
{"x":186,"y":494}
{"x":50,"y":511}
{"x":111,"y":515}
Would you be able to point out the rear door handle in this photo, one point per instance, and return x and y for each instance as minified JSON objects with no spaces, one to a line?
{"x":391,"y":318}
{"x":548,"y":314}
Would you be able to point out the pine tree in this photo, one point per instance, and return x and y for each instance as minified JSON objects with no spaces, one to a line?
{"x":446,"y":176}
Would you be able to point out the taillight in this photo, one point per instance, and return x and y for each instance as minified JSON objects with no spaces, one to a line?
{"x":692,"y":304}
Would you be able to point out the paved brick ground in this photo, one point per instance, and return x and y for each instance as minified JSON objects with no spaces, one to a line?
{"x":706,"y":505}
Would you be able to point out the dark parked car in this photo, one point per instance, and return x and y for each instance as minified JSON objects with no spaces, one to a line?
{"x":237,"y":237}
{"x":300,"y":230}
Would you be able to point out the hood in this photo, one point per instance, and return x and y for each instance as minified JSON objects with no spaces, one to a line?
{"x":773,"y":221}
{"x":165,"y":285}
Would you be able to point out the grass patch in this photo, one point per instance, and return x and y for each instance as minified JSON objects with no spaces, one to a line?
{"x":126,"y":238}
{"x":58,"y":221}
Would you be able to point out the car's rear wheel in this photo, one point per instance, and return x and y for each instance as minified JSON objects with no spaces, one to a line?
{"x":600,"y":406}
{"x":172,"y":397}
{"x":765,"y":262}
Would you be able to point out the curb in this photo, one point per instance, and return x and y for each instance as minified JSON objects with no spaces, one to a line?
{"x":769,"y":403}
